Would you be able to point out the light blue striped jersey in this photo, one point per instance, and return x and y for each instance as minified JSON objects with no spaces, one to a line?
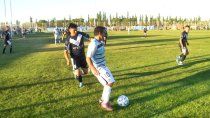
{"x":96,"y":52}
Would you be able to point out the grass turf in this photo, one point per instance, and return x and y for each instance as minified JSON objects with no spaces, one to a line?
{"x":35,"y":81}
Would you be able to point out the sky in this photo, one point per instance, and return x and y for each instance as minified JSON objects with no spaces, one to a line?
{"x":49,"y":9}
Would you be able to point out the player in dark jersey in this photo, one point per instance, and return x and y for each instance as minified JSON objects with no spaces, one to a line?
{"x":183,"y":45}
{"x":75,"y":49}
{"x":7,"y":39}
{"x":145,"y":32}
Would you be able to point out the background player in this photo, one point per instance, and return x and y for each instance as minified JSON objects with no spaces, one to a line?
{"x":7,"y":39}
{"x":183,"y":45}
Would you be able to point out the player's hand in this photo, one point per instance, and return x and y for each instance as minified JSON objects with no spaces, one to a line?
{"x":95,"y":72}
{"x":68,"y":63}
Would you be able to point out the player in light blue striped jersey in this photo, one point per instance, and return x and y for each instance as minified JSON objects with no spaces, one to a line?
{"x":97,"y":63}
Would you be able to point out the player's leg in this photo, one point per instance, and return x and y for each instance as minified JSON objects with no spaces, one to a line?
{"x":59,"y":39}
{"x":84,"y":66}
{"x":107,"y":80}
{"x":5,"y":46}
{"x":78,"y":76}
{"x":74,"y":67}
{"x":85,"y":71}
{"x":4,"y":49}
{"x":10,"y":49}
{"x":184,"y":54}
{"x":178,"y":58}
{"x":55,"y":38}
{"x":62,"y":37}
{"x":77,"y":72}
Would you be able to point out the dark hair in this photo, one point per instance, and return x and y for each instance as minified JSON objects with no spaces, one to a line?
{"x":99,"y":29}
{"x":72,"y":25}
{"x":187,"y":26}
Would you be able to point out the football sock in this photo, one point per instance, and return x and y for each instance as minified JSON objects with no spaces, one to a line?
{"x":11,"y":49}
{"x":182,"y":57}
{"x":79,"y":78}
{"x":4,"y":50}
{"x":106,"y":93}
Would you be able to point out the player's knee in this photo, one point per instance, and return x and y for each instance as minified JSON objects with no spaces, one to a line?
{"x":186,"y":53}
{"x":110,"y":84}
{"x":85,"y":71}
{"x":77,"y":72}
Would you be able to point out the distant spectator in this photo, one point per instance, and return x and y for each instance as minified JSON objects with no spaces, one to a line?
{"x":145,"y":32}
{"x":24,"y":33}
{"x":56,"y":33}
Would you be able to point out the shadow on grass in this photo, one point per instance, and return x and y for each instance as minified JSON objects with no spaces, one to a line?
{"x":151,"y":73}
{"x":179,"y":85}
{"x":22,"y":48}
{"x":131,"y":76}
{"x":166,"y":62}
{"x":200,"y":77}
{"x":165,"y":40}
{"x":33,"y":84}
{"x":49,"y":49}
{"x":140,"y":46}
{"x":129,"y":36}
{"x":54,"y":101}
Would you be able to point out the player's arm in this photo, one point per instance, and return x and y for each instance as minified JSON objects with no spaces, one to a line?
{"x":180,"y":40}
{"x":66,"y":53}
{"x":91,"y":66}
{"x":91,"y":51}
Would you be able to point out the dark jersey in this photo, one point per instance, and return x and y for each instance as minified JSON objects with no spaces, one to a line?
{"x":7,"y":37}
{"x":184,"y":37}
{"x":145,"y":30}
{"x":75,"y":44}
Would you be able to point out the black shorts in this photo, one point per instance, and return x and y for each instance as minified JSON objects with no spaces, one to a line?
{"x":79,"y":62}
{"x":7,"y":42}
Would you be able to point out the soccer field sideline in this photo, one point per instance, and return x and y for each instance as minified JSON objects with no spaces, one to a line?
{"x":35,"y":81}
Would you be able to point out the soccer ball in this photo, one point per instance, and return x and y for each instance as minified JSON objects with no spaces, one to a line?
{"x":123,"y":101}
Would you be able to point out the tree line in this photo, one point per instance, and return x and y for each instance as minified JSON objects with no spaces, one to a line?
{"x":102,"y":19}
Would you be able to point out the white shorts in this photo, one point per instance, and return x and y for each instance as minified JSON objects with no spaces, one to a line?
{"x":56,"y":37}
{"x":9,"y":42}
{"x":105,"y":76}
{"x":184,"y":50}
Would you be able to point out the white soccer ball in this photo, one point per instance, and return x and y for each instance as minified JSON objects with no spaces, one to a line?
{"x":123,"y":101}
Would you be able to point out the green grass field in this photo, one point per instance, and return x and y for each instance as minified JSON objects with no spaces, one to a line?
{"x":35,"y":81}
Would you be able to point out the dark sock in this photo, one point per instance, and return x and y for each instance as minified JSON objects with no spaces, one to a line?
{"x":79,"y":78}
{"x":10,"y":49}
{"x":182,"y":57}
{"x":4,"y":50}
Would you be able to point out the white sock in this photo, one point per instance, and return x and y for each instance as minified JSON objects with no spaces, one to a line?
{"x":106,"y":93}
